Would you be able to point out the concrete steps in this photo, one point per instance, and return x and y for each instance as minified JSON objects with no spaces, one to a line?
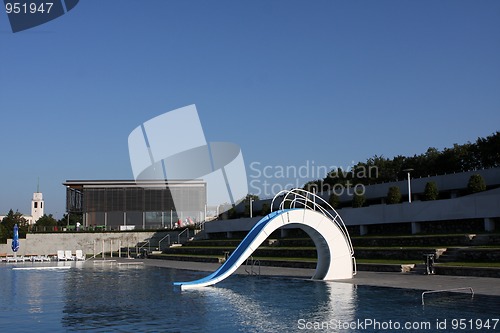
{"x":300,"y":252}
{"x":159,"y":241}
{"x":450,"y":255}
{"x":470,"y":254}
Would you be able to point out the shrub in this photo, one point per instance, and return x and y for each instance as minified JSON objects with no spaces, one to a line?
{"x":358,"y":200}
{"x":476,"y":184}
{"x":334,"y":201}
{"x":393,"y":195}
{"x":431,"y":191}
{"x":265,"y":209}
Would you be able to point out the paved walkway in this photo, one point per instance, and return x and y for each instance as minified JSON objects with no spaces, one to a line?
{"x":480,"y":285}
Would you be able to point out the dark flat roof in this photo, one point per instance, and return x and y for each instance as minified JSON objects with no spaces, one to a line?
{"x":78,"y":184}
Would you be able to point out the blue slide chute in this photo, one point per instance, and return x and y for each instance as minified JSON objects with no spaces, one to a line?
{"x":234,"y":261}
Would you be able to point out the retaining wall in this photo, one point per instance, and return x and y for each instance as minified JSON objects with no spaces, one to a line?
{"x":89,"y":243}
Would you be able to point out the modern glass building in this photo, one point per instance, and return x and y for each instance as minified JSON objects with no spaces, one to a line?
{"x":127,"y":204}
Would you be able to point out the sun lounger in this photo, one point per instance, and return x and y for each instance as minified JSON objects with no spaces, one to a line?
{"x":16,"y":258}
{"x":68,"y":255}
{"x":79,"y":255}
{"x":61,"y":256}
{"x":40,"y":258}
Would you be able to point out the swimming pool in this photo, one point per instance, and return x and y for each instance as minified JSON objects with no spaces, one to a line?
{"x":120,"y":298}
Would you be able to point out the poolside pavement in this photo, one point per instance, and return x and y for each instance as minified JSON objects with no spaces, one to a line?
{"x":480,"y":285}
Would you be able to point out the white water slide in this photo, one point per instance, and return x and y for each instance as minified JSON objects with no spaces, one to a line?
{"x":301,"y":209}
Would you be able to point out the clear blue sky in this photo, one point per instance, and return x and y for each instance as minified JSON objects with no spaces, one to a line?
{"x":291,"y":82}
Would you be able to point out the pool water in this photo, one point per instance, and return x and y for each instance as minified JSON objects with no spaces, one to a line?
{"x":119,"y":298}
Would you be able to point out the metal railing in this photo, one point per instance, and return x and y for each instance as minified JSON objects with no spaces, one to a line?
{"x":299,"y":198}
{"x":159,"y":242}
{"x":101,"y":228}
{"x":446,"y":290}
{"x":180,"y":233}
{"x":253,"y":263}
{"x":148,"y":243}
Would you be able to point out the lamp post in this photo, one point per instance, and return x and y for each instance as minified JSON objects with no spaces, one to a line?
{"x":68,"y":192}
{"x":171,"y":219}
{"x":409,"y":183}
{"x":251,"y":209}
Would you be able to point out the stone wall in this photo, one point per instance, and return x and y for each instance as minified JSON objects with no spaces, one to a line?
{"x":89,"y":243}
{"x":393,"y":254}
{"x":414,"y":241}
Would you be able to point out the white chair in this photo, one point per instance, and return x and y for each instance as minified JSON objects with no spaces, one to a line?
{"x":68,"y":255}
{"x":61,"y":256}
{"x":41,"y":258}
{"x":79,"y":255}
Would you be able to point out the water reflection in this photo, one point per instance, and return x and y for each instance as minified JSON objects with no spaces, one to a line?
{"x":141,"y":298}
{"x":137,"y":298}
{"x":99,"y":295}
{"x":275,"y":306}
{"x":29,"y":297}
{"x":341,"y":304}
{"x":35,"y":287}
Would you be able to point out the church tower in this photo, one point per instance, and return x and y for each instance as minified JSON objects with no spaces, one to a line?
{"x":37,"y":205}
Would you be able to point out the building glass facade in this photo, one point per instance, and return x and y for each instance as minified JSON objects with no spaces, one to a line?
{"x":144,"y":205}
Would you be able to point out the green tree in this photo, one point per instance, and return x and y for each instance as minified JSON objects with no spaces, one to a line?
{"x":265,"y":209}
{"x":313,"y":186}
{"x":476,"y":184}
{"x":247,"y":203}
{"x":74,"y":218}
{"x":358,"y":200}
{"x":8,"y":222}
{"x":46,"y":221}
{"x":287,"y":204}
{"x":488,"y":151}
{"x":482,"y":154}
{"x":334,"y":201}
{"x":431,"y":191}
{"x":393,"y":195}
{"x":231,"y":213}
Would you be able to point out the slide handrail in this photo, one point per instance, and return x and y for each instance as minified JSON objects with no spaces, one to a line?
{"x":300,"y":198}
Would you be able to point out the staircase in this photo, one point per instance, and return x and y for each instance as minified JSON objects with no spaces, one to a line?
{"x":160,"y":241}
{"x":419,"y":269}
{"x":451,"y":254}
{"x":271,"y":253}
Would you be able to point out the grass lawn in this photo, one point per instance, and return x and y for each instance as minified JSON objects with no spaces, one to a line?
{"x":387,"y":261}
